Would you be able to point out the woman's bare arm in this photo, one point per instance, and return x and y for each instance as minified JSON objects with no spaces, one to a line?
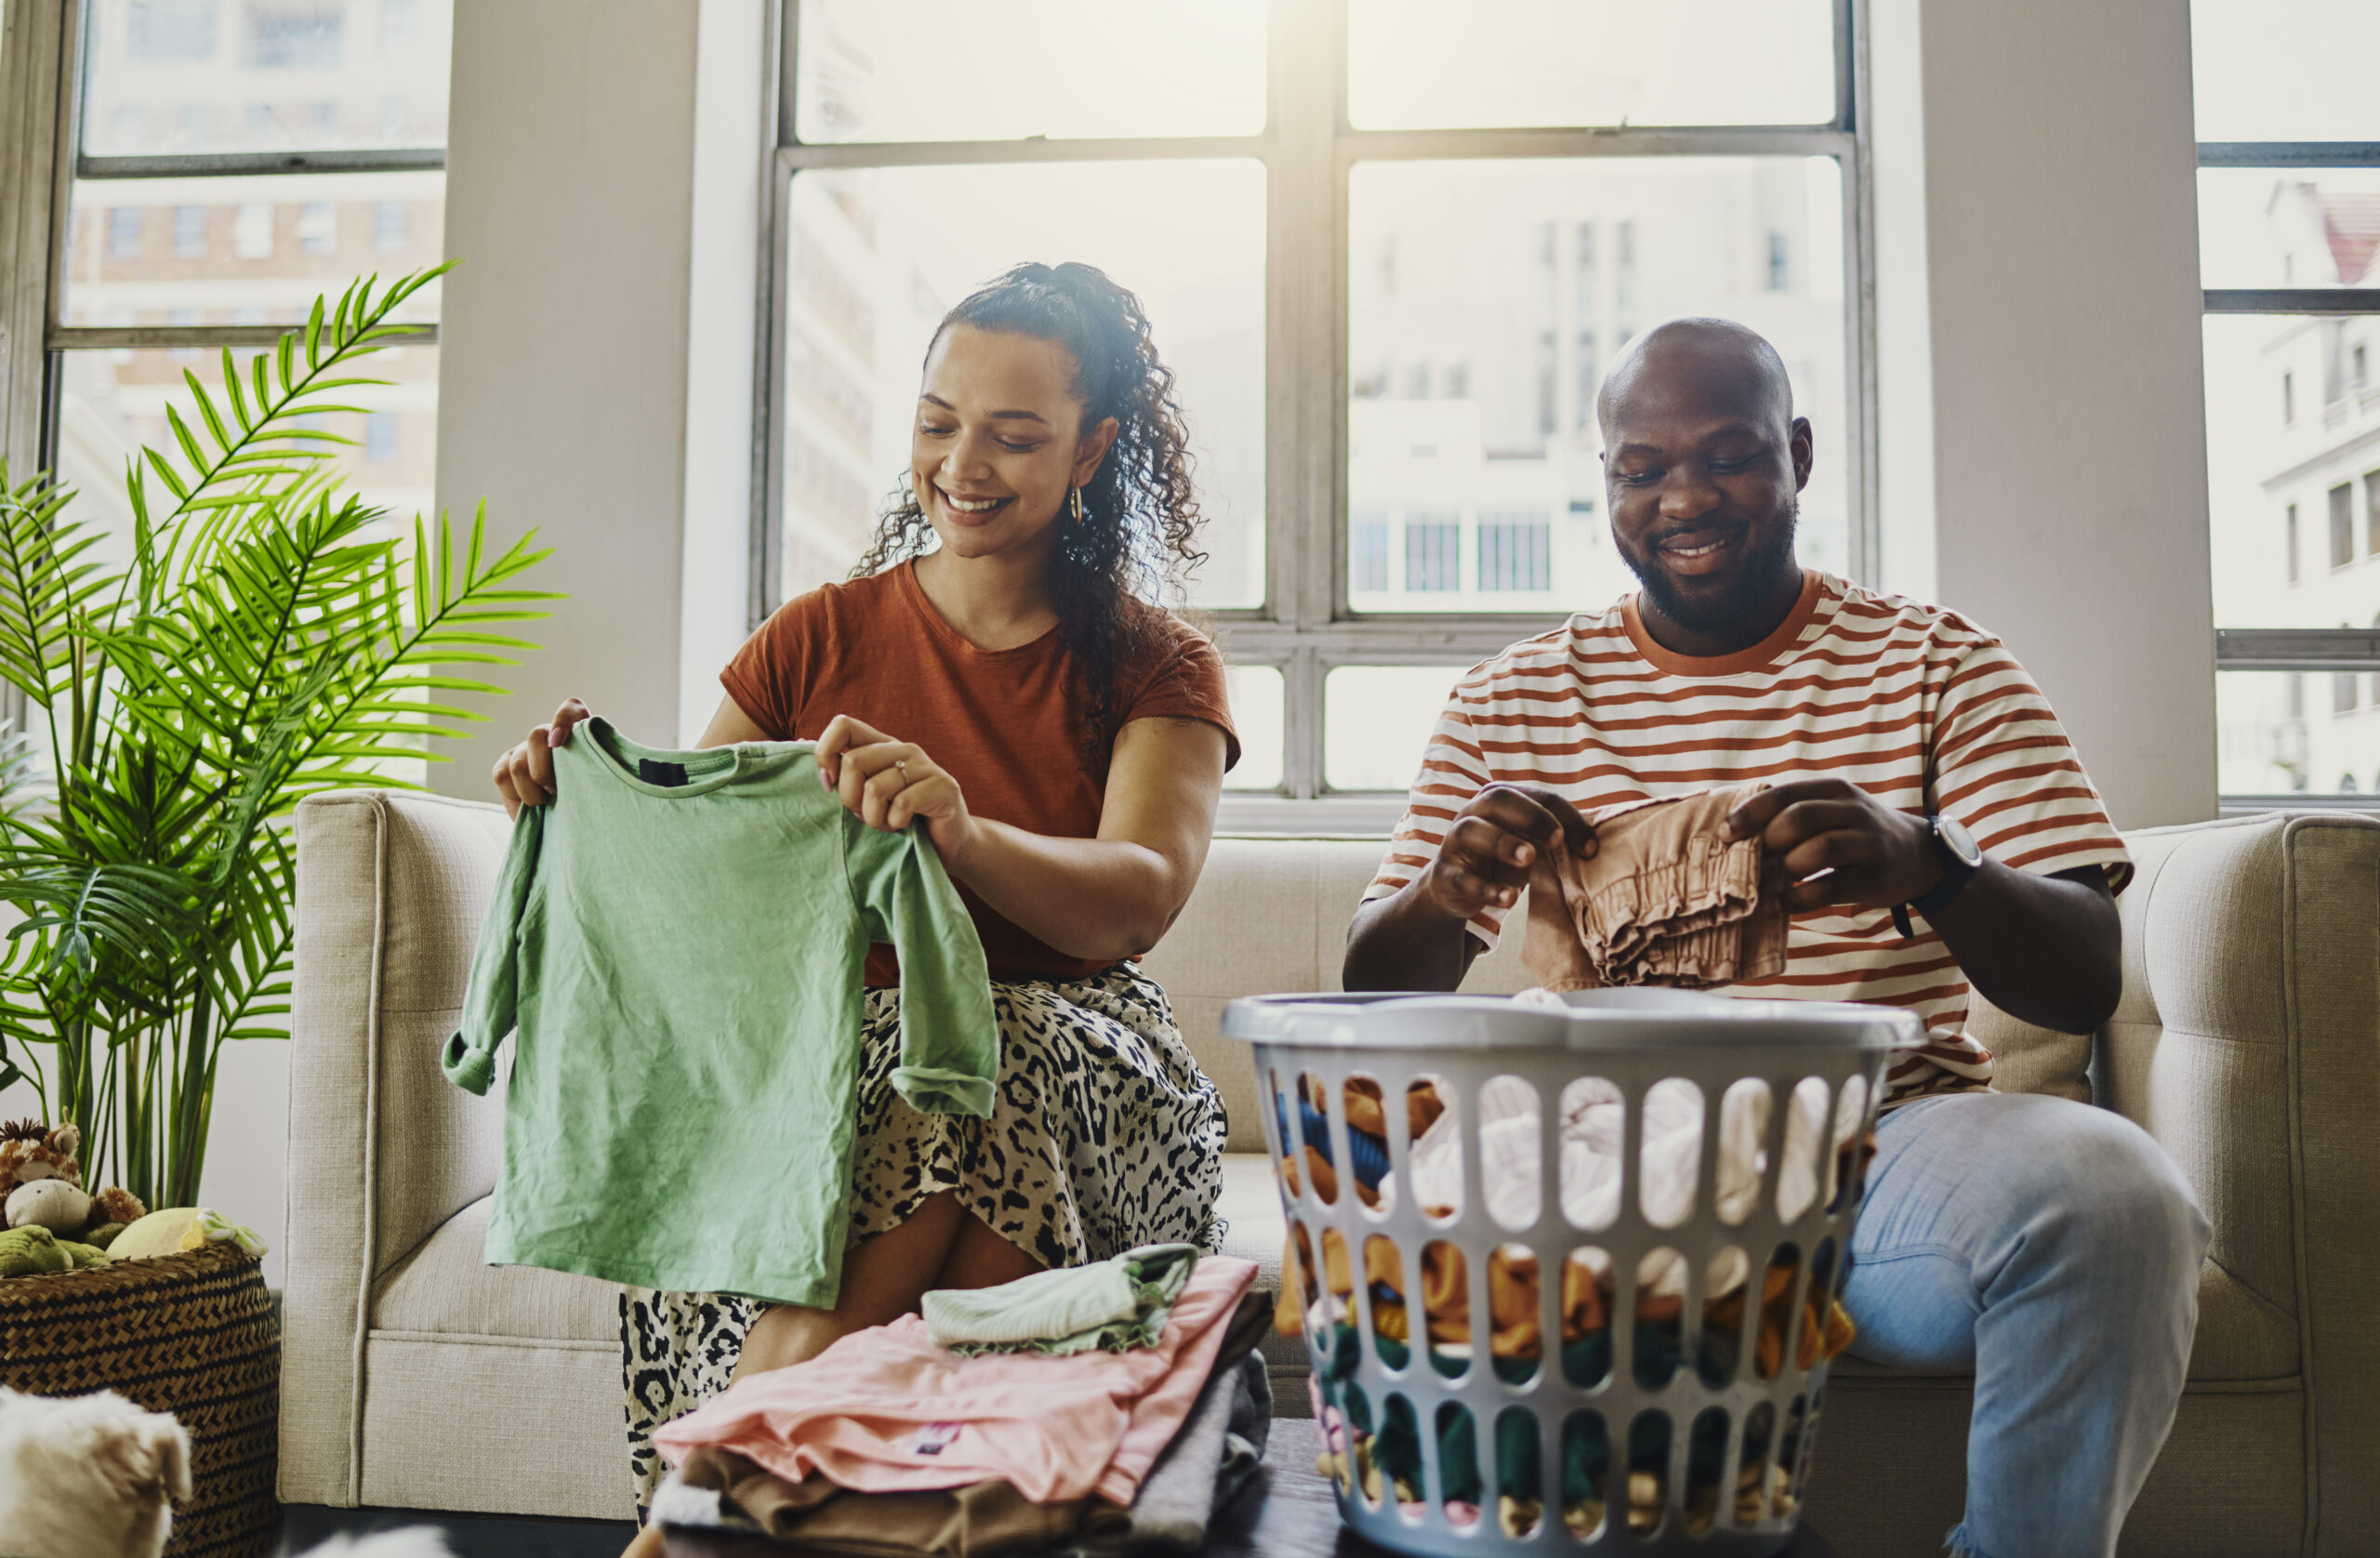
{"x":1103,"y":898}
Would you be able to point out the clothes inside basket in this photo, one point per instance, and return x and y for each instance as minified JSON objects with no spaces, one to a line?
{"x":1593,"y":1134}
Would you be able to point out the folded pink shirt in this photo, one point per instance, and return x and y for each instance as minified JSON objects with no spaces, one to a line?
{"x":885,"y":1410}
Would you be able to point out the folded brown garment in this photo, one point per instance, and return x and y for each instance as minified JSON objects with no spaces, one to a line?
{"x":982,"y":1520}
{"x":1667,"y":898}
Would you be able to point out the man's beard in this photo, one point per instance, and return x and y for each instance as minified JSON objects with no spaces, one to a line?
{"x":1761,"y":579}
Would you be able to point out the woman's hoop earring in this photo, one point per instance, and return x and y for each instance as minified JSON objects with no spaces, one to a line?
{"x":1078,"y":502}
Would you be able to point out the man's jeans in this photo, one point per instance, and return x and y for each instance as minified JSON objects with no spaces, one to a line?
{"x":2054,"y":1248}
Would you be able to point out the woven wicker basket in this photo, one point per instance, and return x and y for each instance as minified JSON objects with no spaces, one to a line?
{"x":194,"y":1335}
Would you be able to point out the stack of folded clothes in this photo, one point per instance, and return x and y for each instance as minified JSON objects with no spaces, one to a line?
{"x":1108,"y":1409}
{"x":1360,"y":1451}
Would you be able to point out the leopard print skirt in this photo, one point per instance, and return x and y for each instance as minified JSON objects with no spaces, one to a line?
{"x":1104,"y":1135}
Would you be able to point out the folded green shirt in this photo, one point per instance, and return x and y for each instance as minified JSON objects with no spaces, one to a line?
{"x":679,"y":940}
{"x":1115,"y":1304}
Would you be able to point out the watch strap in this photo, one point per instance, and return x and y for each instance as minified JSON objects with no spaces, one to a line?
{"x":1956,"y":874}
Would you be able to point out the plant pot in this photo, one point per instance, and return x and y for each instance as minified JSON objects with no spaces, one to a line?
{"x":193,"y":1334}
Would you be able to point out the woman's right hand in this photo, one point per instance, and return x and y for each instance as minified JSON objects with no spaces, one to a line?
{"x":524,"y":776}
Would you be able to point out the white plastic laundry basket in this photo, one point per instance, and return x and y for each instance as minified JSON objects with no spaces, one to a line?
{"x":1689,"y":1145}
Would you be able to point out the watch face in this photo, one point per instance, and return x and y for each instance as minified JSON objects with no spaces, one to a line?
{"x":1954,"y":834}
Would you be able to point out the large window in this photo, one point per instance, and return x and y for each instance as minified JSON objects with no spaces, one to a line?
{"x":2289,"y":222}
{"x":220,"y":164}
{"x":1389,"y":248}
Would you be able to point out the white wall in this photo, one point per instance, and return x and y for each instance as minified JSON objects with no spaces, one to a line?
{"x":2068,"y":432}
{"x":730,"y":126}
{"x":563,"y":374}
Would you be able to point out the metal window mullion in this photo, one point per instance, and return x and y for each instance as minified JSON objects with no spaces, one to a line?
{"x":1302,"y":671}
{"x":943,"y":154}
{"x":764,"y":538}
{"x":2289,"y":153}
{"x":1865,"y":487}
{"x":95,"y":337}
{"x":227,"y":164}
{"x":2297,"y":649}
{"x":1304,"y":416}
{"x":1458,"y":144}
{"x":1380,"y":641}
{"x":36,"y":36}
{"x":2293,"y":300}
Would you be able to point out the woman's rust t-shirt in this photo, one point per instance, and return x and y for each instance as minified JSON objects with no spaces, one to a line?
{"x":999,"y":720}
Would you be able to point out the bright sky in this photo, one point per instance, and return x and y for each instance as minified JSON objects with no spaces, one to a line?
{"x":2287,"y":70}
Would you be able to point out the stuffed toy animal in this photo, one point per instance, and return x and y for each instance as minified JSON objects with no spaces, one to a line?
{"x":41,"y":1185}
{"x":179,"y":1228}
{"x":31,"y":1151}
{"x":34,"y":1251}
{"x":53,"y":1204}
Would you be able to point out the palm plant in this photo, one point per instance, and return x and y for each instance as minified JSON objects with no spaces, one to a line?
{"x":267,"y":639}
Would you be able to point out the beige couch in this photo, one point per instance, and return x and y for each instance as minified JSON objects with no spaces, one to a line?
{"x":2248,"y":1043}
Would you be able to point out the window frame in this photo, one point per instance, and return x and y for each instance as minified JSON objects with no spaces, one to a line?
{"x":1306,"y":627}
{"x":45,"y":72}
{"x":2335,"y":649}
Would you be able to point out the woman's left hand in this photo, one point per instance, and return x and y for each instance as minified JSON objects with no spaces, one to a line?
{"x":888,"y":784}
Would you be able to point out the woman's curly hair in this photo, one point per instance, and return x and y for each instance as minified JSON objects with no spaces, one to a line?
{"x":1138,"y":541}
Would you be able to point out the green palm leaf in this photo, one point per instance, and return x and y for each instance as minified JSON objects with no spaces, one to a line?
{"x":272,"y":637}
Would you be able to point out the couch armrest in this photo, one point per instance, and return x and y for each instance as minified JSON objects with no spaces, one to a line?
{"x":2248,"y":1043}
{"x":391,"y":889}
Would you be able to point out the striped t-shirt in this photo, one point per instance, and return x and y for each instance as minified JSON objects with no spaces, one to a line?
{"x":1913,"y":704}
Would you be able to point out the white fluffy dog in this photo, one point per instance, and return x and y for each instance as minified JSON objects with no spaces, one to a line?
{"x":94,"y":1476}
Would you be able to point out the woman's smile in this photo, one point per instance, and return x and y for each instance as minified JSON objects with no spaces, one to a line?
{"x":971,"y":510}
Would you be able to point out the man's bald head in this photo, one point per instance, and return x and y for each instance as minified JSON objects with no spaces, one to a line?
{"x":1714,"y":366}
{"x":1703,"y":467}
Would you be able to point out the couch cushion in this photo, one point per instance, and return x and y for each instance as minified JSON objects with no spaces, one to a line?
{"x":445,"y":1288}
{"x":1270,"y":916}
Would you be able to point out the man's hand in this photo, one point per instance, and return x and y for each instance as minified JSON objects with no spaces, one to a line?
{"x":1485,"y":860}
{"x":1414,"y":939}
{"x":1838,"y":844}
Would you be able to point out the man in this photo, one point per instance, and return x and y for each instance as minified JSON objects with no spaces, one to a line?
{"x":2052,"y":1247}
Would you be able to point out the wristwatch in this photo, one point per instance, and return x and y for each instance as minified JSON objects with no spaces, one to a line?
{"x":1960,"y":859}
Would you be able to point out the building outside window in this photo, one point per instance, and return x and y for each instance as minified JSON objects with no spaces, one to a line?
{"x":1367,"y":552}
{"x":124,"y":233}
{"x":1432,"y":552}
{"x":318,"y":228}
{"x":1515,"y":553}
{"x":162,"y":31}
{"x":128,"y":318}
{"x":292,"y":35}
{"x":388,"y":225}
{"x":2289,"y":255}
{"x":252,"y":231}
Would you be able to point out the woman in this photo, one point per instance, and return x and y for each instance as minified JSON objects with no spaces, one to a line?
{"x":1063,"y":743}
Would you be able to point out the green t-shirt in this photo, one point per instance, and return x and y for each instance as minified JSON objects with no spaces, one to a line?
{"x":678,"y":939}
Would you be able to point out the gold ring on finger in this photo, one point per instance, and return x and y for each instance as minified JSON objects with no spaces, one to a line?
{"x":903,"y":764}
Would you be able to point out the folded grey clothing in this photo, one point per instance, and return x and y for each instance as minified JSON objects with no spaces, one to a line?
{"x":1209,"y":1460}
